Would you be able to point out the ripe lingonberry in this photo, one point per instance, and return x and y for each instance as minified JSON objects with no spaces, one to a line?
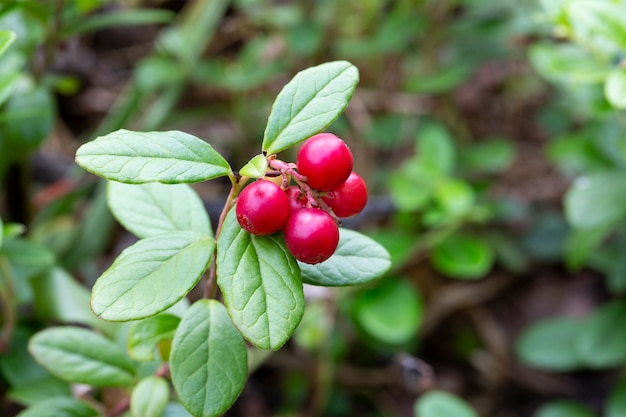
{"x":325,"y":160}
{"x":311,"y":235}
{"x":262,"y":208}
{"x":349,"y":198}
{"x":297,"y":200}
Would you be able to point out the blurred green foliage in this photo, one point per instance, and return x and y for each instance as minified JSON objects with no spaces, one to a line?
{"x":437,"y":163}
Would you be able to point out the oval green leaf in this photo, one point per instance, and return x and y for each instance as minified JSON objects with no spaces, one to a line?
{"x":60,"y":406}
{"x":151,"y":276}
{"x":390,"y":312}
{"x":140,"y":157}
{"x":146,"y":335}
{"x":82,"y":356}
{"x":309,"y":103}
{"x":6,"y":39}
{"x":29,"y":118}
{"x":209,"y":360}
{"x":357,"y":260}
{"x":154,"y":208}
{"x":596,"y":200}
{"x":563,"y":408}
{"x":615,"y":88}
{"x":150,"y":397}
{"x":602,"y":338}
{"x":261,"y":284}
{"x":255,"y":168}
{"x":442,"y":404}
{"x":463,"y":256}
{"x":551,"y":345}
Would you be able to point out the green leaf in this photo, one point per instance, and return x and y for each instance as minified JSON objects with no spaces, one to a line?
{"x":442,"y":404}
{"x":581,"y":244}
{"x":157,"y":72}
{"x":127,"y":17}
{"x":28,"y":259}
{"x":463,"y":256}
{"x":29,"y":381}
{"x":6,"y":39}
{"x":151,"y":209}
{"x":489,"y":156}
{"x":138,"y":157}
{"x":616,"y":403}
{"x":255,"y":168}
{"x":209,"y":361}
{"x":7,"y":83}
{"x":391,"y":312}
{"x":151,"y":276}
{"x":309,"y":103}
{"x":602,"y":338}
{"x":60,"y":406}
{"x":29,"y":118}
{"x":563,"y":408}
{"x":551,"y":345}
{"x":150,"y":397}
{"x":59,"y":297}
{"x":261,"y":284}
{"x":176,"y":410}
{"x":82,"y":356}
{"x":146,"y":335}
{"x":455,"y":197}
{"x":436,"y":148}
{"x":357,"y":260}
{"x":596,"y":200}
{"x":615,"y":88}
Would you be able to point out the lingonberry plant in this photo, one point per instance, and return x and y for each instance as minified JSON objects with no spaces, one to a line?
{"x":257,"y":269}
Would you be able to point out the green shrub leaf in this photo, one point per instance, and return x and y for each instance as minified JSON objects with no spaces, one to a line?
{"x":357,"y":260}
{"x":255,"y":168}
{"x":596,"y":200}
{"x":261,"y":284}
{"x":209,"y":360}
{"x":151,"y":209}
{"x":6,"y":39}
{"x":602,"y":338}
{"x":146,"y":335}
{"x":615,"y":88}
{"x":309,"y":103}
{"x":151,"y":276}
{"x":149,"y":397}
{"x":390,"y":312}
{"x":60,"y":406}
{"x":463,"y":256}
{"x":442,"y":404}
{"x":551,"y":345}
{"x":139,"y":157}
{"x":82,"y":356}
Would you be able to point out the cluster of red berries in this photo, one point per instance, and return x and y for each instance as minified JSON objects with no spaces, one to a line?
{"x":326,"y":189}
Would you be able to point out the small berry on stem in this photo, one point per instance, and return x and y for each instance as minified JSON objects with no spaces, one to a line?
{"x":262,"y":208}
{"x":326,"y":160}
{"x":311,"y":235}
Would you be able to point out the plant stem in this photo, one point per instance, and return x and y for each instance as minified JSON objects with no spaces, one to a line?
{"x":210,"y":291}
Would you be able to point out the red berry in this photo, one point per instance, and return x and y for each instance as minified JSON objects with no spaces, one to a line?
{"x":297,"y":200}
{"x":349,"y":198}
{"x":325,"y":160}
{"x":262,"y":208}
{"x":311,"y":235}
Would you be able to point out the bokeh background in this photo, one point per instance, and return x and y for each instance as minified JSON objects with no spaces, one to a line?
{"x":491,"y":136}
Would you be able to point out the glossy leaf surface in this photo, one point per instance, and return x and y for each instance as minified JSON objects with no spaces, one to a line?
{"x":209,"y":361}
